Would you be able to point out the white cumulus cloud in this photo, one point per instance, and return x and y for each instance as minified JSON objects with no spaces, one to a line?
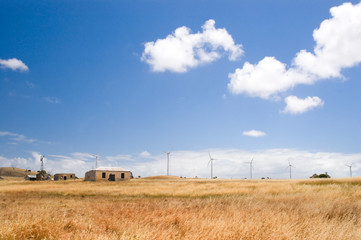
{"x":13,"y":64}
{"x":265,"y":79}
{"x":254,"y":133}
{"x":182,"y":49}
{"x":338,"y":43}
{"x":295,"y":105}
{"x":338,"y":46}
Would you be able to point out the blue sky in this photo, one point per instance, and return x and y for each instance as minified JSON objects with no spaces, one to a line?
{"x":131,"y":79}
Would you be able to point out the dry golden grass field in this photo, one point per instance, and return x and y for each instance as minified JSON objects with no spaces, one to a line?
{"x":181,"y":209}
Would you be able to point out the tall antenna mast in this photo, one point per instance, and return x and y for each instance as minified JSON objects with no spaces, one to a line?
{"x":96,"y":160}
{"x":350,"y":166}
{"x":42,"y":163}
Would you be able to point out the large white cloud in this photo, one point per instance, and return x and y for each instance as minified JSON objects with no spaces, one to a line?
{"x":13,"y":64}
{"x":182,"y":49}
{"x":229,"y":163}
{"x":295,"y":105}
{"x":338,"y":46}
{"x":338,"y":43}
{"x":265,"y":79}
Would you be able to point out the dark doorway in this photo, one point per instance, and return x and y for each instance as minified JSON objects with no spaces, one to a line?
{"x":122,"y":175}
{"x":111,"y":177}
{"x":64,"y":177}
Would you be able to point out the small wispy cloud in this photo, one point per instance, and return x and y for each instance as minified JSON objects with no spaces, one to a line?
{"x":30,"y":84}
{"x":54,"y":100}
{"x":13,"y":64}
{"x":295,"y":105}
{"x":144,"y":154}
{"x":119,"y":157}
{"x":254,"y":133}
{"x":15,"y":94}
{"x":12,"y":94}
{"x":16,"y":137}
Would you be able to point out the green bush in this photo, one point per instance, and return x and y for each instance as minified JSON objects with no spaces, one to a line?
{"x":322,"y":175}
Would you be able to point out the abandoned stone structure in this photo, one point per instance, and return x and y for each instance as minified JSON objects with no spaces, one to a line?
{"x":38,"y":177}
{"x":64,"y":176}
{"x":43,"y":176}
{"x":108,"y":174}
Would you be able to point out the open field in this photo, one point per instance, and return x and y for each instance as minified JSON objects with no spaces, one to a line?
{"x":181,"y":209}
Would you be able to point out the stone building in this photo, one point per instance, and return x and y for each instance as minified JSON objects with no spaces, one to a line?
{"x":64,"y":176}
{"x":108,"y":174}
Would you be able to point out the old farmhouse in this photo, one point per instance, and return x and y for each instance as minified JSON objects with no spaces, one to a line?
{"x":108,"y":174}
{"x":64,"y":176}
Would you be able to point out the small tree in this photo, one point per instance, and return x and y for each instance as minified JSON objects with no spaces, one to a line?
{"x":324,"y":175}
{"x":42,"y":172}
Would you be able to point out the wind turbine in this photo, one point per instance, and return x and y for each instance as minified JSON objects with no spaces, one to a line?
{"x":96,"y":160}
{"x":211,"y":162}
{"x":168,"y":154}
{"x":42,"y":162}
{"x":290,"y":166}
{"x":250,"y":167}
{"x":350,"y":166}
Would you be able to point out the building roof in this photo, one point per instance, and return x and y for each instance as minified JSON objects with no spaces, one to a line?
{"x":31,"y":176}
{"x":111,"y":169}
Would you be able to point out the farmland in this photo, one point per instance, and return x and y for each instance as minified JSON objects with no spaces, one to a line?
{"x":181,"y":209}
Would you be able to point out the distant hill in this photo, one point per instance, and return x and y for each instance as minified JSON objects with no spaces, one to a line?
{"x":15,"y":172}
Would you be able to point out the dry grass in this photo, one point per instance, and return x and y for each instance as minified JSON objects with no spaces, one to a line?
{"x":181,"y":209}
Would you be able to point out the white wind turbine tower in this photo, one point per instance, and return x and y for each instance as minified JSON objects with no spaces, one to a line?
{"x":290,"y":166}
{"x":96,"y":160}
{"x":168,"y":154}
{"x":250,"y":167}
{"x":350,"y":166}
{"x":211,"y":162}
